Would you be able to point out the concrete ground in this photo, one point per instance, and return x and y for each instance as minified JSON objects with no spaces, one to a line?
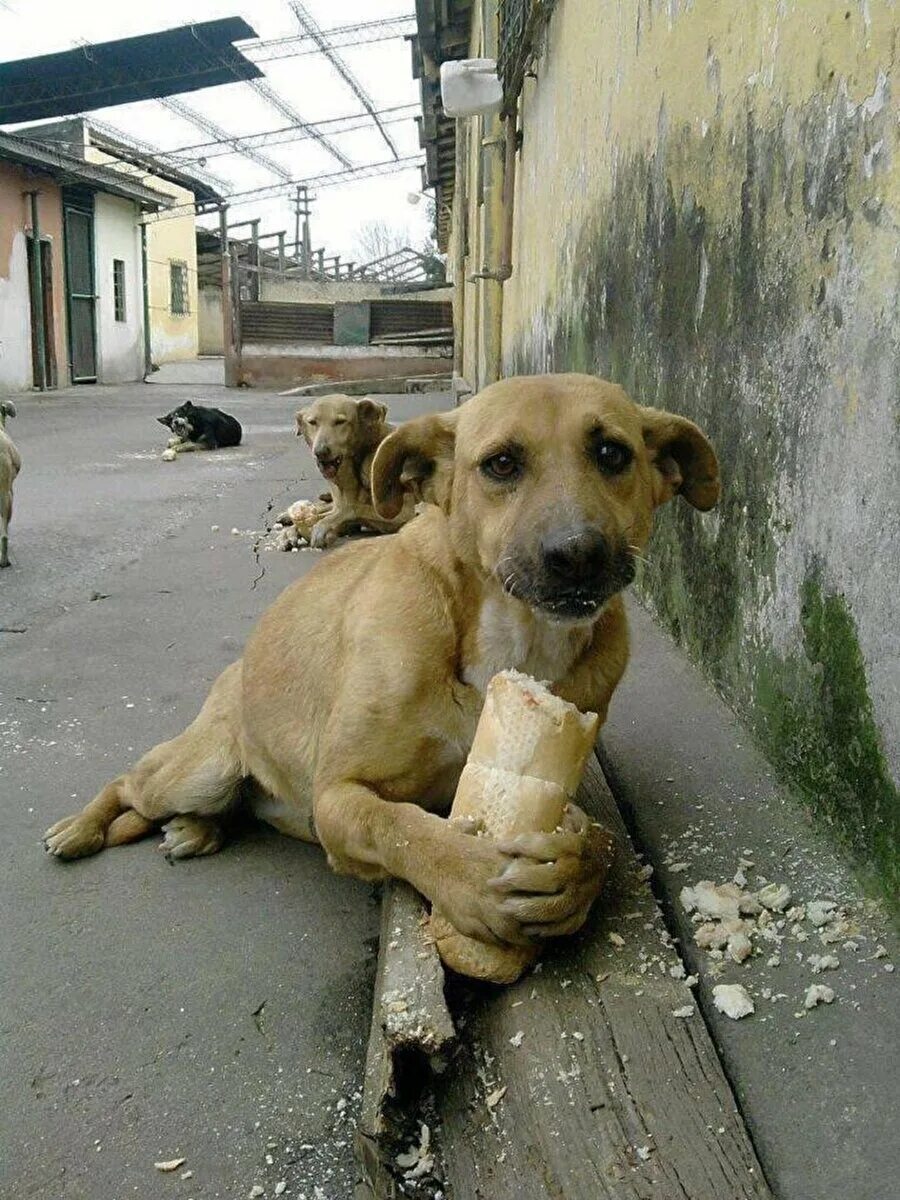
{"x":216,"y":1010}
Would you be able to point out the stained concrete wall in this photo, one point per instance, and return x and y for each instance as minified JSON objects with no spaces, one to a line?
{"x":16,"y":369}
{"x":211,"y":331}
{"x":707,"y":212}
{"x":312,"y":291}
{"x":120,"y":344}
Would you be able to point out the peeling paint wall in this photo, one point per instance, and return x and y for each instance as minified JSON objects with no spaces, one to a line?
{"x":707,"y":212}
{"x":16,"y":369}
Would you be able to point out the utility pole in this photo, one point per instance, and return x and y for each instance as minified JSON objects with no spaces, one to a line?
{"x":301,"y":208}
{"x":229,"y":315}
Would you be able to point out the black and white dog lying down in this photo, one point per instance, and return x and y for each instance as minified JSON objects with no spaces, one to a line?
{"x":199,"y":428}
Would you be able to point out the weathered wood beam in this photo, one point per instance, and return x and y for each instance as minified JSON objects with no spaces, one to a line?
{"x":581,"y":1082}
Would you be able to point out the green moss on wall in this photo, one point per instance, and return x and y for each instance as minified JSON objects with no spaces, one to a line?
{"x":730,"y":322}
{"x":814,"y":715}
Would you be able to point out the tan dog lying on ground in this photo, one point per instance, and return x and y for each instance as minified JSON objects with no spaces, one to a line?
{"x":343,"y":435}
{"x":350,"y":716}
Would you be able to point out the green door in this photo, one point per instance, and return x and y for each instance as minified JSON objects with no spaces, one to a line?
{"x":80,"y":294}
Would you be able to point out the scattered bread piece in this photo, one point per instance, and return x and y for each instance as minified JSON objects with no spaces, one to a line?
{"x":817,"y":994}
{"x":733,"y":1000}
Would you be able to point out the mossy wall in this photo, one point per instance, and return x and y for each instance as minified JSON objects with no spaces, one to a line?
{"x":707,"y":212}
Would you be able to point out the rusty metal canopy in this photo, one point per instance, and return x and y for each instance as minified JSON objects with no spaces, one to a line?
{"x":138,"y":68}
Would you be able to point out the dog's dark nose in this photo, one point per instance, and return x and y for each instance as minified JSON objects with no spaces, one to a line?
{"x":575,"y":556}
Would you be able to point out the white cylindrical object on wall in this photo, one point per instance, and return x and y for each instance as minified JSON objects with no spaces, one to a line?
{"x":470,"y":86}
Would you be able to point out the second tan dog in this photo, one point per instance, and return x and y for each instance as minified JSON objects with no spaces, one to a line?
{"x":343,"y":434}
{"x":351,"y":714}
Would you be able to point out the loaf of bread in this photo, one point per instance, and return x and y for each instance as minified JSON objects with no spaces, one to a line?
{"x":526,"y":762}
{"x":304,"y":514}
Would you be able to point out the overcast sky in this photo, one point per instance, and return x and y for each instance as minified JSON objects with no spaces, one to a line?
{"x":309,"y":83}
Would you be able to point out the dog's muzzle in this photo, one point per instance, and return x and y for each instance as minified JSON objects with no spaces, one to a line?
{"x":328,"y":466}
{"x":573,"y":574}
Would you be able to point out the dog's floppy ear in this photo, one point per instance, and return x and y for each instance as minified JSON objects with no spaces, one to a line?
{"x":371,"y":411}
{"x":300,"y":419}
{"x":7,"y":408}
{"x":417,"y":457}
{"x":684,"y":463}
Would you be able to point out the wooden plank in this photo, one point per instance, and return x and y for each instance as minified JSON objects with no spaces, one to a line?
{"x":410,"y":1039}
{"x":608,"y":1095}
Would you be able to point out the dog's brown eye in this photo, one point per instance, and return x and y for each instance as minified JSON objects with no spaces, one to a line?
{"x":612,"y":457}
{"x":502,"y":467}
{"x":311,"y":422}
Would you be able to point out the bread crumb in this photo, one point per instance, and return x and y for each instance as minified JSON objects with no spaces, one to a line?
{"x":820,"y":912}
{"x":733,"y":1000}
{"x":822,"y":962}
{"x":776,"y":897}
{"x":817,"y":994}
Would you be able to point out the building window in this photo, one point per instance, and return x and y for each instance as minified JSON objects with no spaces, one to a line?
{"x":178,"y":287}
{"x":119,"y":289}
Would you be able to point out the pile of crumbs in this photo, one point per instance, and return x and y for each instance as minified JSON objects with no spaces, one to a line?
{"x":733,"y":925}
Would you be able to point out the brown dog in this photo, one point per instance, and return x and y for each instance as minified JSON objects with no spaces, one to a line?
{"x":343,"y":435}
{"x":350,"y":716}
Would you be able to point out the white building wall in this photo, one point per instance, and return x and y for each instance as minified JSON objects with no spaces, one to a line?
{"x":120,"y":344}
{"x":15,"y":319}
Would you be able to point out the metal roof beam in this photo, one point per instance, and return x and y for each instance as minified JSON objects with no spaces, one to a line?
{"x":311,"y":28}
{"x":290,"y":133}
{"x":197,"y":119}
{"x":268,"y":93}
{"x":366,"y":171}
{"x":359,"y":34}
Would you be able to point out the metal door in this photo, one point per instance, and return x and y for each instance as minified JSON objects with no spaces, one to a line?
{"x":80,"y":296}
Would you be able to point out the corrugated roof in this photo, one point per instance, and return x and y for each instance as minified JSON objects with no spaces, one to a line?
{"x":65,"y":168}
{"x":138,"y":68}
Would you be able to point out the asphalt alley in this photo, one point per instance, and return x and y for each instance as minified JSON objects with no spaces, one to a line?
{"x":216,"y":1010}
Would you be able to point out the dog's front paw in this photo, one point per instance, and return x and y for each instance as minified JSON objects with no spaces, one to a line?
{"x":168,"y":455}
{"x":552,"y":879}
{"x":73,"y":837}
{"x":322,"y":536}
{"x":173,"y":441}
